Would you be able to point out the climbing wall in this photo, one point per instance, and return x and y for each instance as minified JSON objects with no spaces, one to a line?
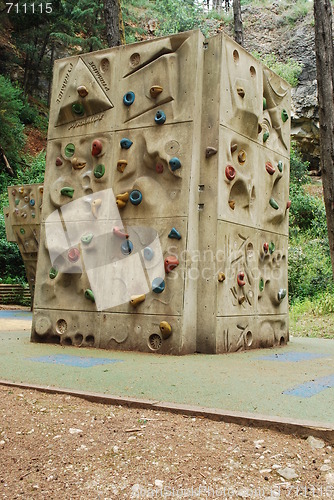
{"x":22,"y":220}
{"x":164,"y":222}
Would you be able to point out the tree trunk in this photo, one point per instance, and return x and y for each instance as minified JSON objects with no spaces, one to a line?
{"x":114,"y":22}
{"x":238,"y":29}
{"x":52,"y":56}
{"x":325,"y":77}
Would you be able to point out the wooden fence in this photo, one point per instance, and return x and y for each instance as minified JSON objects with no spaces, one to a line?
{"x":14,"y":294}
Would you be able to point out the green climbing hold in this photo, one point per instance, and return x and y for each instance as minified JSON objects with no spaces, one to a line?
{"x":99,"y":171}
{"x":87,"y":238}
{"x":265,"y":136}
{"x":280,"y":166}
{"x":67,"y":191}
{"x":273,"y":203}
{"x":22,"y":231}
{"x":89,"y":295}
{"x":264,"y":103}
{"x":69,"y":150}
{"x":53,"y":273}
{"x":284,"y":115}
{"x":78,"y":108}
{"x":17,"y":201}
{"x":261,"y":285}
{"x":271,"y":247}
{"x":281,"y":294}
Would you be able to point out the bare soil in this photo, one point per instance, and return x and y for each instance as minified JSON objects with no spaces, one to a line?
{"x":61,"y":447}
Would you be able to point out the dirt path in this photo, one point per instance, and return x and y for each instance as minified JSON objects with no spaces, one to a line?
{"x":61,"y":447}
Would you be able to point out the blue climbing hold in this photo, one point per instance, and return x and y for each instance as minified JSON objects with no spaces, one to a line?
{"x":175,"y":164}
{"x":129,"y":98}
{"x":32,"y":202}
{"x":174,"y":234}
{"x":148,"y":253}
{"x":126,"y":143}
{"x":158,"y":285}
{"x":136,"y":197}
{"x":160,"y":117}
{"x":126,"y":247}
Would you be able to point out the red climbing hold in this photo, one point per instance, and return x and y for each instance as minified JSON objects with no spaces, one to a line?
{"x":171,"y":263}
{"x":240,"y":279}
{"x":96,"y":147}
{"x":230,"y":172}
{"x":73,"y":254}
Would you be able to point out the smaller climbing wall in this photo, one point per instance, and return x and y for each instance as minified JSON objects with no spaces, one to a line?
{"x":22,"y":219}
{"x":165,"y":213}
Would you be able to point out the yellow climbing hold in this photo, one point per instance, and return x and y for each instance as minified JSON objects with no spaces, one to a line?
{"x":165,"y":329}
{"x":137,"y":299}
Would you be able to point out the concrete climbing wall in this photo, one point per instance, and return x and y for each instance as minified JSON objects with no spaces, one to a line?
{"x":22,"y":221}
{"x":165,"y":213}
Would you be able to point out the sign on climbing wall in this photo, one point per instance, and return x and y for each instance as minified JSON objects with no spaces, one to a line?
{"x":165,"y":211}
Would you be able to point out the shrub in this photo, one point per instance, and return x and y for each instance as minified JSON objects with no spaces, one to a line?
{"x":289,"y":70}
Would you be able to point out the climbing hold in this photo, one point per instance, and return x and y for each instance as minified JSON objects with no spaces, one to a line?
{"x":265,"y":136}
{"x":67,"y":191}
{"x":160,"y":117}
{"x":271,"y":247}
{"x":158,"y":285}
{"x":99,"y":171}
{"x":73,"y":254}
{"x":148,"y":253}
{"x":82,"y":91}
{"x":87,"y":238}
{"x":261,"y":285}
{"x":78,"y":108}
{"x":26,"y":199}
{"x":232,"y":204}
{"x":234,"y":147}
{"x":95,"y":206}
{"x":159,"y":168}
{"x":69,"y":150}
{"x":32,"y":202}
{"x":136,"y":197}
{"x":16,"y":211}
{"x":77,"y":164}
{"x":210,"y":151}
{"x":24,"y":215}
{"x":284,"y":115}
{"x":171,"y":262}
{"x":41,"y":189}
{"x":280,"y":166}
{"x":221,"y":277}
{"x":125,"y":143}
{"x":120,"y":233}
{"x":14,"y":192}
{"x":22,"y":231}
{"x":269,"y":168}
{"x":53,"y":273}
{"x":288,"y":204}
{"x":174,"y":234}
{"x":121,"y":199}
{"x":240,"y":279}
{"x":230,"y":172}
{"x":242,"y":157}
{"x":273,"y":203}
{"x":96,"y":147}
{"x":121,"y":164}
{"x":21,"y":190}
{"x":264,"y":103}
{"x":265,"y":247}
{"x":129,"y":98}
{"x":175,"y":164}
{"x":242,"y":299}
{"x":89,"y":295}
{"x":165,"y":329}
{"x":33,"y":215}
{"x":155,"y":90}
{"x":17,"y":201}
{"x":281,"y":294}
{"x":137,"y":299}
{"x":241,"y":92}
{"x":126,"y":247}
{"x":59,"y":161}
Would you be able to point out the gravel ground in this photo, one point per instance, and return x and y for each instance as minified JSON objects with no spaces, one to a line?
{"x":62,"y":447}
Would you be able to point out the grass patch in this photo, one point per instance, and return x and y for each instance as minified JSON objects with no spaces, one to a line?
{"x":313,"y":317}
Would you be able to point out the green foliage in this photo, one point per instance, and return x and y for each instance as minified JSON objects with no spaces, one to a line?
{"x":175,"y":16}
{"x":294,"y":10}
{"x":289,"y":70}
{"x":11,"y":264}
{"x":12,"y":137}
